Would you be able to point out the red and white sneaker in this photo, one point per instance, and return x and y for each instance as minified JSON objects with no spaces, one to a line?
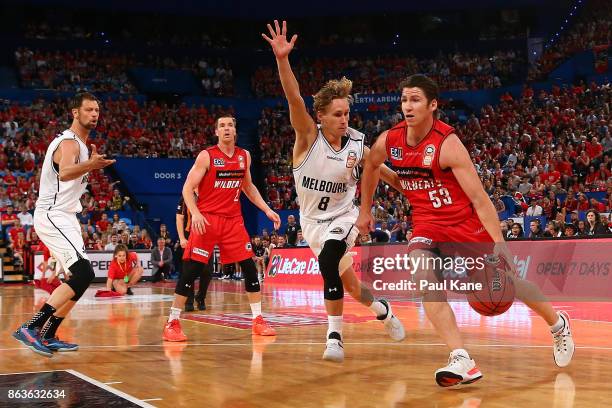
{"x":460,"y":370}
{"x":173,"y":331}
{"x":261,"y":327}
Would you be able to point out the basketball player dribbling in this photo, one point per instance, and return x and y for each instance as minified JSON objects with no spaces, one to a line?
{"x":325,"y":167}
{"x":63,"y":180}
{"x":219,"y":174}
{"x":449,"y":206}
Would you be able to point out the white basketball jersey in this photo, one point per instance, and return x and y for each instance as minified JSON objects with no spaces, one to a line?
{"x":61,"y":195}
{"x":326,"y":181}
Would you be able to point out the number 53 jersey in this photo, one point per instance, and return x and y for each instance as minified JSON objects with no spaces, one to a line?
{"x":326,"y":181}
{"x":434,"y":193}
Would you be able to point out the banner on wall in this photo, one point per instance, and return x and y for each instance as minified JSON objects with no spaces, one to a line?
{"x":563,"y":269}
{"x":166,"y":176}
{"x":100,"y":261}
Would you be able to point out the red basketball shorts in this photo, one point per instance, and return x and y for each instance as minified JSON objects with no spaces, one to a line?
{"x":228,"y":233}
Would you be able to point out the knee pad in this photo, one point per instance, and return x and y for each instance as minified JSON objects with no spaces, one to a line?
{"x":191,"y":270}
{"x":82,"y":275}
{"x":249,"y":270}
{"x":329,"y":260}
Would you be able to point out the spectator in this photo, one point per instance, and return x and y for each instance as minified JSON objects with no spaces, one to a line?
{"x":552,"y":230}
{"x":291,"y":230}
{"x":103,"y":223}
{"x":135,"y":243}
{"x":570,"y":230}
{"x":402,"y":233}
{"x":534,"y":209}
{"x":161,"y":258}
{"x":503,"y":225}
{"x":300,"y":241}
{"x":281,"y":242}
{"x":534,"y":229}
{"x":259,"y":253}
{"x":112,"y":243}
{"x":594,"y":225}
{"x":516,"y":232}
{"x":25,"y":217}
{"x":163,"y":233}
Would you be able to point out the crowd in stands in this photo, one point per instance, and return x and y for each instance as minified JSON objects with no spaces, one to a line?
{"x":537,"y":149}
{"x":593,"y":28}
{"x":106,"y":71}
{"x":456,"y":71}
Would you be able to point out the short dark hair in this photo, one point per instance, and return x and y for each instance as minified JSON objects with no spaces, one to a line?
{"x":428,"y":85}
{"x":77,"y":100}
{"x":224,"y":116}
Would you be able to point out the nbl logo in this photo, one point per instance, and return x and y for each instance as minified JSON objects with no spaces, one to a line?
{"x":274,"y":265}
{"x":397,"y":153}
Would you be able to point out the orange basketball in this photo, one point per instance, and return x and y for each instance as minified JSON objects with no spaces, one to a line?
{"x":497,"y":293}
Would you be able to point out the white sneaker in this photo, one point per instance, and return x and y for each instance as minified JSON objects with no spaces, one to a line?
{"x":563,"y":343}
{"x":334,"y":351}
{"x":460,"y":370}
{"x":393,"y":325}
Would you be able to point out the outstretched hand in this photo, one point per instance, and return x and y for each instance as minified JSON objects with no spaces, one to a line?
{"x":98,"y":161}
{"x":278,"y":40}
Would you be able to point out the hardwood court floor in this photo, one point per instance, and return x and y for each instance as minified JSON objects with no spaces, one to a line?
{"x":222,"y":365}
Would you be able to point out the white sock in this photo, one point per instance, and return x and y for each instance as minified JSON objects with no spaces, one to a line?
{"x":334,"y":325}
{"x":378,"y":308}
{"x":461,"y":352}
{"x":558,"y":326}
{"x":175,"y":313}
{"x":256,"y":309}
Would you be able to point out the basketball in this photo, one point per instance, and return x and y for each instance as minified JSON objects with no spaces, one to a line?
{"x":497,"y":293}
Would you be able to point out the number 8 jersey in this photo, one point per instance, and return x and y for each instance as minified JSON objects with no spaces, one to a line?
{"x":326,"y":181}
{"x":434,"y":193}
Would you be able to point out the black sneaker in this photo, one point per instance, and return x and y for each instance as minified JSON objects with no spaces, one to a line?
{"x":201,"y":305}
{"x":129,"y":291}
{"x":189,"y":307}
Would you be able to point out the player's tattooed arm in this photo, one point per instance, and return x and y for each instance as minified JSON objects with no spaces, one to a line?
{"x":386,"y":174}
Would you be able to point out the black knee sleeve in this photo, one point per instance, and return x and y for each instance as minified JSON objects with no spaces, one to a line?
{"x":191,"y":270}
{"x":82,"y":275}
{"x":249,"y":271}
{"x":329,"y":259}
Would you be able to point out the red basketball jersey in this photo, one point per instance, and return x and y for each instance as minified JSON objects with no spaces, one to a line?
{"x":434,"y":194}
{"x":219,"y":190}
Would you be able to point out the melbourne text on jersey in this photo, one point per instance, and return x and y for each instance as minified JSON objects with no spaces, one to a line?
{"x":312,"y":183}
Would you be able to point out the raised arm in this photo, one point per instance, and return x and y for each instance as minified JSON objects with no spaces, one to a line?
{"x":369,"y":181}
{"x":305,"y":128}
{"x":195,"y":176}
{"x":249,"y":189}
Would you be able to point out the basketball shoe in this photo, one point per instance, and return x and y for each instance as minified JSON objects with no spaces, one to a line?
{"x":563,"y":343}
{"x":173,"y":331}
{"x":261,"y":327}
{"x":334,"y":350}
{"x":393,"y":326}
{"x":55,"y":344}
{"x":461,"y":369}
{"x":31,"y":339}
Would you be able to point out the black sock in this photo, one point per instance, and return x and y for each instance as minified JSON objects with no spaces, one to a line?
{"x":48,"y":331}
{"x":39,"y":319}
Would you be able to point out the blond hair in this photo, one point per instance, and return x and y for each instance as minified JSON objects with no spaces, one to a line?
{"x":334,"y":89}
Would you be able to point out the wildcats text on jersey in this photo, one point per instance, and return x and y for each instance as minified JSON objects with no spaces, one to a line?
{"x":312,"y":183}
{"x":228,"y":183}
